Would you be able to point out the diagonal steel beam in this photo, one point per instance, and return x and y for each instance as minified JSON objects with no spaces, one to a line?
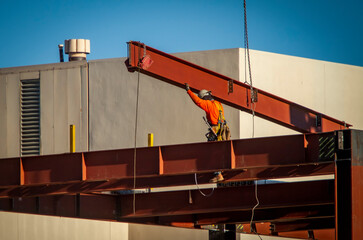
{"x":273,"y":108}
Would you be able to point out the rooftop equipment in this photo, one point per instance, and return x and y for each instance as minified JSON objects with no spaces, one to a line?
{"x":77,"y":49}
{"x":61,"y":57}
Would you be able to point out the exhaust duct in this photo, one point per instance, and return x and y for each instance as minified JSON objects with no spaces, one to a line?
{"x":77,"y":49}
{"x":61,"y":57}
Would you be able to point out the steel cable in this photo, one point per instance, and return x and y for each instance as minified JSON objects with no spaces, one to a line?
{"x":203,"y":194}
{"x":253,"y":102}
{"x":136,"y":117}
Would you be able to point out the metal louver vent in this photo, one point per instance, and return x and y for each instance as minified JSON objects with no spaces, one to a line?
{"x":30,"y":117}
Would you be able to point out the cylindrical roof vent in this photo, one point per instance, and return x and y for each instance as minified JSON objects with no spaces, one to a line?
{"x":77,"y":49}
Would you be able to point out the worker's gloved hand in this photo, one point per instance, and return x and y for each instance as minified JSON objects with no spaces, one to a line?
{"x":187,"y":87}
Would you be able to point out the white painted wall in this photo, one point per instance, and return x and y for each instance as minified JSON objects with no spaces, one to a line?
{"x":17,"y":226}
{"x":330,"y":88}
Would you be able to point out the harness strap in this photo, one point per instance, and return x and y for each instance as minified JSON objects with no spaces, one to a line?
{"x":219,"y":107}
{"x":221,"y":121}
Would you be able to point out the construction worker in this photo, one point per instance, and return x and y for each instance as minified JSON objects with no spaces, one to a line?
{"x":219,"y":130}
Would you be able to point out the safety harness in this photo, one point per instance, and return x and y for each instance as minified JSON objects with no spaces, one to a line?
{"x":221,"y":131}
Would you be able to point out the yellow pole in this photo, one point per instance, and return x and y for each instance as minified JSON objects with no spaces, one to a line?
{"x":72,"y":141}
{"x":150,"y":139}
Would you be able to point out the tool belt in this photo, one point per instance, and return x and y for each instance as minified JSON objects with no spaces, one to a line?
{"x":220,"y":132}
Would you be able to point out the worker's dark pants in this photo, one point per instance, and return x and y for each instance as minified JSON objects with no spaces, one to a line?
{"x":223,"y":135}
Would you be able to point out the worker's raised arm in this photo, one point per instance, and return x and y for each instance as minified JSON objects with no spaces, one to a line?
{"x":203,"y":104}
{"x":199,"y":102}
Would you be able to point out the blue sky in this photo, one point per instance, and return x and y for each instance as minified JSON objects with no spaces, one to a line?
{"x":329,"y":30}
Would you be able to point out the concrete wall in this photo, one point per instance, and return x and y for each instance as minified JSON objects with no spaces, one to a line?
{"x":330,"y":88}
{"x":63,"y":101}
{"x":163,"y":109}
{"x":10,"y":115}
{"x":36,"y":227}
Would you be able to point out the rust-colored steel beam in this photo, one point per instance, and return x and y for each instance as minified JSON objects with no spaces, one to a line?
{"x":234,"y":177}
{"x":178,"y":71}
{"x":243,"y":159}
{"x":228,"y":199}
{"x":357,"y":200}
{"x":357,"y":184}
{"x":153,"y":161}
{"x":267,"y":215}
{"x":242,"y":217}
{"x":265,"y":229}
{"x":349,"y":185}
{"x":304,"y":224}
{"x":81,"y":205}
{"x":120,"y":207}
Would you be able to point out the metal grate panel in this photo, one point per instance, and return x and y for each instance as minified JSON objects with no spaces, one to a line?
{"x":30,"y":117}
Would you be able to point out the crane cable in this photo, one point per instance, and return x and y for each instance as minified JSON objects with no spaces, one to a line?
{"x":253,"y":102}
{"x":135,"y":136}
{"x":247,"y":49}
{"x":248,"y":60}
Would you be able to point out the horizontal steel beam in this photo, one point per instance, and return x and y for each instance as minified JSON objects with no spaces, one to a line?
{"x":234,"y":177}
{"x":242,"y":217}
{"x":228,"y":199}
{"x":244,"y":159}
{"x":304,"y":224}
{"x":223,"y":200}
{"x":178,"y":71}
{"x":265,"y":229}
{"x":153,"y":161}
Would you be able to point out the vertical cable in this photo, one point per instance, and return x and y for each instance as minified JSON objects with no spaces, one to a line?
{"x":258,"y":203}
{"x":247,"y":48}
{"x":253,"y":103}
{"x":247,"y":60}
{"x":136,"y":117}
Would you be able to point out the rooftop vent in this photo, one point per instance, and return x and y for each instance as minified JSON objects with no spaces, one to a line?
{"x":77,"y":49}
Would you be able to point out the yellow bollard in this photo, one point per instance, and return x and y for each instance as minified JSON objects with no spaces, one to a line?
{"x":72,"y":136}
{"x":150,"y":139}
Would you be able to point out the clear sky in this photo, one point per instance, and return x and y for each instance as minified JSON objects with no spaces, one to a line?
{"x":330,"y":30}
